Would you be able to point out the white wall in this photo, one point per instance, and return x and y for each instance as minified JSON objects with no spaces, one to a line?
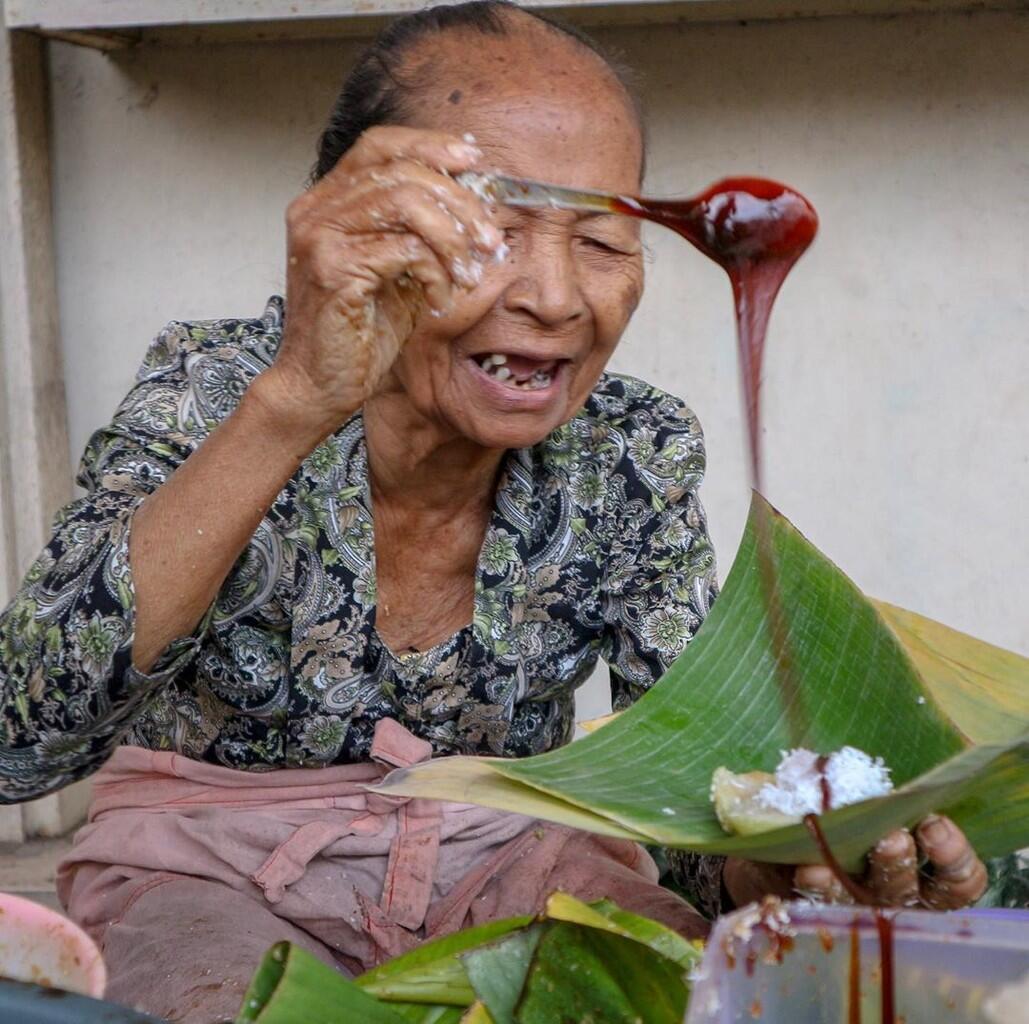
{"x":897,"y":381}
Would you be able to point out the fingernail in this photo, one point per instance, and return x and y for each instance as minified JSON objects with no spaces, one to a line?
{"x":893,"y":845}
{"x":934,"y":830}
{"x":463,"y":151}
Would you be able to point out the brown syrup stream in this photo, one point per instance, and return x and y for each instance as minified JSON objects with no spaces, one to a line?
{"x":854,"y":979}
{"x":756,"y":230}
{"x":883,"y":924}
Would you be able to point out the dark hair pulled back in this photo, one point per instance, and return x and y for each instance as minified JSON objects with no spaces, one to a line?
{"x":373,"y":93}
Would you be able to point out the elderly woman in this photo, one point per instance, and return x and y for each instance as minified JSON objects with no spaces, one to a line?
{"x":401,"y":514}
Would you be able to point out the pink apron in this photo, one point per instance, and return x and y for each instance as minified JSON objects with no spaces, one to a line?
{"x":186,"y":871}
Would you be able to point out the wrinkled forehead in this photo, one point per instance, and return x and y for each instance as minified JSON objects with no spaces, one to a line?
{"x":539,"y":104}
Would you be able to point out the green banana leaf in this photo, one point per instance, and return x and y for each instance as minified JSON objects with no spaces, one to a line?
{"x":291,"y":986}
{"x":433,"y":972}
{"x":595,"y":961}
{"x":948,"y":714}
{"x":498,"y":972}
{"x":586,"y":974}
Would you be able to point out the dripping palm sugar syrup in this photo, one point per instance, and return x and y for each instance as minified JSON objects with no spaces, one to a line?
{"x":755,"y":230}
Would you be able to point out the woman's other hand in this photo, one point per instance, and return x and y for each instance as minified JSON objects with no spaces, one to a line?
{"x":936,"y":867}
{"x":383,"y":236}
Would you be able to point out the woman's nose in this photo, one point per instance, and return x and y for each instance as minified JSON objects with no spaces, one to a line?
{"x":546,"y":284}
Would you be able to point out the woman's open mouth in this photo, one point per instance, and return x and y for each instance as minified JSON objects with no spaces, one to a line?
{"x":519,"y":374}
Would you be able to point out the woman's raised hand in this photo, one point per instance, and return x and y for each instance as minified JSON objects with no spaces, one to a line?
{"x":934,"y":867}
{"x":383,"y":236}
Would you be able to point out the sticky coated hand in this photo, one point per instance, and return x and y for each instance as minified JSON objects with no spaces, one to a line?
{"x":384,"y":236}
{"x":936,"y":867}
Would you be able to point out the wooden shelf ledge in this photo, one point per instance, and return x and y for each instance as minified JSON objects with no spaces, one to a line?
{"x":112,"y":24}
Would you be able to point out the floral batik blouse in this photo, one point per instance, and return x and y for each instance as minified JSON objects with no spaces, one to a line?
{"x":597,"y":548}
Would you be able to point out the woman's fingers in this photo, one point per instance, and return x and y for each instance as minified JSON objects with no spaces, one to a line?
{"x":407,"y":256}
{"x":410,"y":199}
{"x":357,"y":268}
{"x":957,"y":877}
{"x":385,"y":143}
{"x":399,"y":213}
{"x":892,"y":875}
{"x":893,"y":869}
{"x":469,"y":212}
{"x":395,"y":180}
{"x":408,"y":207}
{"x":817,"y":882}
{"x":386,"y":232}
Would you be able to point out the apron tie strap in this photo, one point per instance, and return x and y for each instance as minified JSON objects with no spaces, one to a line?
{"x":289,"y":860}
{"x":413,"y":853}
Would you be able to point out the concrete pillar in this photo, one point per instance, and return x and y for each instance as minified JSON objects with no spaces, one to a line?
{"x":35,"y":471}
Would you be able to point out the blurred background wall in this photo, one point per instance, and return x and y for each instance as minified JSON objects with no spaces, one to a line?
{"x":897,"y":378}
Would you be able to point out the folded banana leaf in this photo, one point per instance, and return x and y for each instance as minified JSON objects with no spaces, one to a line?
{"x":574,"y":962}
{"x":948,"y":714}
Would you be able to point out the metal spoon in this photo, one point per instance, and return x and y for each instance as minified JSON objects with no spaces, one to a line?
{"x":525,"y":192}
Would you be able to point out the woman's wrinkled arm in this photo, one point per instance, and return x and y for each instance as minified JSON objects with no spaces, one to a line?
{"x":187,"y":535}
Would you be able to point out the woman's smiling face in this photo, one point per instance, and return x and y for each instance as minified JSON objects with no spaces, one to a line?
{"x":519,"y":355}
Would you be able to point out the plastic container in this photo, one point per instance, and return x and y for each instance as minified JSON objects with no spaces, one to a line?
{"x":800,"y":963}
{"x":51,"y":971}
{"x":40,"y":946}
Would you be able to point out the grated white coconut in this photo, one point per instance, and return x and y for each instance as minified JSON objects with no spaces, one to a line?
{"x":477,"y":183}
{"x":797,"y":790}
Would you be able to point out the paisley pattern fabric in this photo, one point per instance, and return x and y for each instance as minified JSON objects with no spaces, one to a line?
{"x":597,"y":548}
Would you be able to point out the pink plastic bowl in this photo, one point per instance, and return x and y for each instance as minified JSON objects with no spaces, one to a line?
{"x":40,"y":946}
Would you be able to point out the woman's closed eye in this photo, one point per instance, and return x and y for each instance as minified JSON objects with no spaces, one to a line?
{"x":606,"y":246}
